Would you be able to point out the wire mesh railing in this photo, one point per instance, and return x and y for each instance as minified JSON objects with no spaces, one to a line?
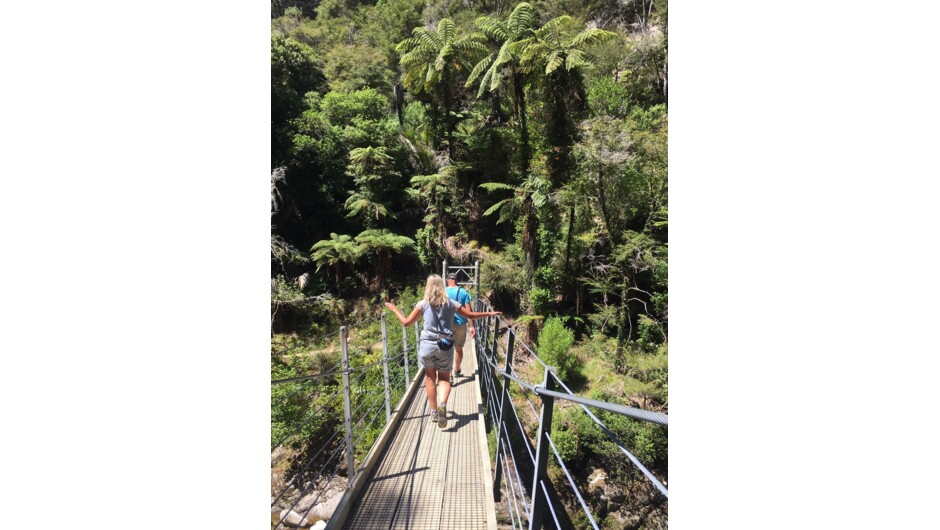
{"x":324,"y":423}
{"x":524,"y":447}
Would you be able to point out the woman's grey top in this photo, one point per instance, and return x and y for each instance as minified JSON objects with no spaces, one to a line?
{"x":433,"y":316}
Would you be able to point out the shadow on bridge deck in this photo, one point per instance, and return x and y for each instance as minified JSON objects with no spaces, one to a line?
{"x":427,"y":477}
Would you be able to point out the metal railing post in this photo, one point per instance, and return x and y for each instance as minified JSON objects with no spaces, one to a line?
{"x":388,"y":395}
{"x":347,"y":409}
{"x":444,"y":270}
{"x":504,"y":396}
{"x":404,"y":349}
{"x":541,"y":453}
{"x":493,"y":351}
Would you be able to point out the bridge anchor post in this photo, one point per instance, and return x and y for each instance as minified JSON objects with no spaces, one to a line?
{"x":388,"y":395}
{"x":347,"y":409}
{"x":404,"y":349}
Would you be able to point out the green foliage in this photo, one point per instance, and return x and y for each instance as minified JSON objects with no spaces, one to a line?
{"x":429,"y":56}
{"x":576,"y":436}
{"x":503,"y":275}
{"x":283,"y":289}
{"x":567,"y":139}
{"x":516,"y":26}
{"x":608,"y":97}
{"x":362,"y":105}
{"x":554,"y":348}
{"x":295,"y":71}
{"x":383,"y":244}
{"x":540,"y":300}
{"x":293,"y":8}
{"x":352,"y":67}
{"x":650,"y":331}
{"x":643,"y":70}
{"x":555,"y":45}
{"x":370,"y":169}
{"x":334,"y":252}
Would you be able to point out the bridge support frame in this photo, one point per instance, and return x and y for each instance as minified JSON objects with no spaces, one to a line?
{"x":503,"y":398}
{"x":539,"y":500}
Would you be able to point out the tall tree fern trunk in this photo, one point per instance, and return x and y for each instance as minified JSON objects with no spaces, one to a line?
{"x":525,"y":151}
{"x":602,"y":197}
{"x":566,"y":277}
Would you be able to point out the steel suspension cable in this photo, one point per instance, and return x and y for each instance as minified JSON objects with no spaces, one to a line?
{"x":334,"y":371}
{"x":314,"y":502}
{"x":306,"y":466}
{"x":310,"y":342}
{"x":551,"y":507}
{"x":307,"y":420}
{"x":511,"y":484}
{"x":512,"y":453}
{"x":571,"y":481}
{"x":646,"y":472}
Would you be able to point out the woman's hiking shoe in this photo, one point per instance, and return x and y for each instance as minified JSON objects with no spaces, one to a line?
{"x":442,"y":416}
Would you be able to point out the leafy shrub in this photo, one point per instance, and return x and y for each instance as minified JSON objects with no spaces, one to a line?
{"x":554,"y":348}
{"x":649,"y":331}
{"x":609,"y":97}
{"x":503,"y":277}
{"x":540,"y":300}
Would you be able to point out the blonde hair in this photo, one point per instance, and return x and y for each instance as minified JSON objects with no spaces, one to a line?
{"x":435,"y":293}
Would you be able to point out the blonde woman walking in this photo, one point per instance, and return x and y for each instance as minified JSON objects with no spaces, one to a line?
{"x":435,"y":354}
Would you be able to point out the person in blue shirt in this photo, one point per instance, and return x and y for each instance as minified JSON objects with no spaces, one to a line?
{"x":461,"y":296}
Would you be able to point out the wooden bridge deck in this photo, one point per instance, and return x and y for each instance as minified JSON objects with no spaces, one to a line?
{"x":428,"y":477}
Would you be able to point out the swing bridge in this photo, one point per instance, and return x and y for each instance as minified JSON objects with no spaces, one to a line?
{"x":373,"y":456}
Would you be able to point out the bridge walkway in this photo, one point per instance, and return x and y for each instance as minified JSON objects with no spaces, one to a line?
{"x":432,"y":478}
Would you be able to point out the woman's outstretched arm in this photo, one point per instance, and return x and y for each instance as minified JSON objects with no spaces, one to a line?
{"x":401,"y":318}
{"x":466,"y":313}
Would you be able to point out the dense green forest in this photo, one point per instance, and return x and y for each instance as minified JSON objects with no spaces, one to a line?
{"x":529,"y":136}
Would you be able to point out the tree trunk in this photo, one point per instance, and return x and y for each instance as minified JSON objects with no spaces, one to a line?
{"x":399,"y":93}
{"x":524,"y":151}
{"x":625,"y":330}
{"x":530,"y":242}
{"x":568,"y":239}
{"x":614,"y":239}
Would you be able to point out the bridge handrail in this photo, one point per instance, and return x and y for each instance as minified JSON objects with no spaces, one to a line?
{"x":361,"y":411}
{"x":488,"y":345}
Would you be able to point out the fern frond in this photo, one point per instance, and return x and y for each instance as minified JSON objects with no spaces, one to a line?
{"x":495,"y":208}
{"x":523,"y":16}
{"x":553,"y":25}
{"x":493,"y":186}
{"x":478,"y":69}
{"x":492,"y":27}
{"x":553,"y":61}
{"x":576,"y":59}
{"x":504,"y":55}
{"x":591,"y":36}
{"x":496,"y":79}
{"x":446,"y":29}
